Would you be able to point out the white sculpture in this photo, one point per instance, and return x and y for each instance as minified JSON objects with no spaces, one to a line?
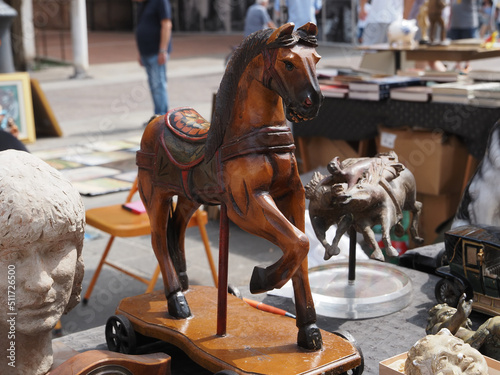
{"x":42,"y":221}
{"x":480,"y":202}
{"x":401,"y":33}
{"x":442,"y":354}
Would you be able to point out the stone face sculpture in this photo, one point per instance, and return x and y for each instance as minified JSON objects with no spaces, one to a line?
{"x":487,"y":337}
{"x":444,"y":353}
{"x":363,"y":192}
{"x":42,"y":222}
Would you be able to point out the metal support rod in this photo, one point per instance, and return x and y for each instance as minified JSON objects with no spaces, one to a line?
{"x":223,"y":269}
{"x":352,"y":254}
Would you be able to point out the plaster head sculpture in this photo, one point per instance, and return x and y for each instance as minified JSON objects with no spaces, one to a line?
{"x":42,"y":221}
{"x":444,"y":354}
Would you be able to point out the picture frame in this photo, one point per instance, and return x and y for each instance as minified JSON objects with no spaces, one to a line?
{"x":16,"y":100}
{"x":46,"y":124}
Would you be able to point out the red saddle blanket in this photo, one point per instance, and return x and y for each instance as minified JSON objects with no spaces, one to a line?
{"x":187,"y":123}
{"x":184,"y":136}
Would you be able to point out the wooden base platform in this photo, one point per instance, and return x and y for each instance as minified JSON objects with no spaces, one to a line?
{"x":257,"y":342}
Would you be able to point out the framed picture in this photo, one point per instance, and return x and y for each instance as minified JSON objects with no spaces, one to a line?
{"x":16,"y":103}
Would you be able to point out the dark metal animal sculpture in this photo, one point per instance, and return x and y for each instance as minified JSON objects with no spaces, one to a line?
{"x":363,"y":192}
{"x":244,"y":160}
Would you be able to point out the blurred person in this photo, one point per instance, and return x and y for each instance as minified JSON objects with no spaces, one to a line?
{"x":362,"y":22}
{"x":257,"y":17}
{"x":464,"y":22}
{"x":154,"y":36}
{"x":382,"y":14}
{"x":300,"y":12}
{"x":485,"y":20}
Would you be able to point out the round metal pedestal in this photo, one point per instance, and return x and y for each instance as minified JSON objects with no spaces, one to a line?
{"x":378,"y":289}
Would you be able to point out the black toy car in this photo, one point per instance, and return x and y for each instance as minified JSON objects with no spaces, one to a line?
{"x":473,"y":254}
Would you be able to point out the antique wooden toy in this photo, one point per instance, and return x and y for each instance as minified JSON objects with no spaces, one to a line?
{"x":435,"y":10}
{"x":257,"y":342}
{"x":362,"y":192}
{"x":244,"y":161}
{"x":473,"y":253}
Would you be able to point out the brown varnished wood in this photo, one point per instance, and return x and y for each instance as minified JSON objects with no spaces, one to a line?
{"x":83,"y":363}
{"x":248,"y":165}
{"x":256,"y":342}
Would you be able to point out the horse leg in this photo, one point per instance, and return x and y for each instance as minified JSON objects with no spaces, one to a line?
{"x":262,"y":217}
{"x":342,"y":227}
{"x":176,"y":234}
{"x":369,"y":237}
{"x":386,"y":236}
{"x":320,"y":227}
{"x":309,"y":335}
{"x":158,"y":208}
{"x":415,"y":209}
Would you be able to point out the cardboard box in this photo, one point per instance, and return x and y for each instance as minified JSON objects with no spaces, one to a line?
{"x":436,"y":160}
{"x":319,"y":151}
{"x":387,"y":367}
{"x":436,"y":209}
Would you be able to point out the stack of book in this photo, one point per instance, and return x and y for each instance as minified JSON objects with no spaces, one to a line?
{"x":459,"y":92}
{"x":334,"y":89}
{"x":411,"y":93}
{"x":484,"y":75}
{"x":379,"y":88}
{"x":487,"y":96}
{"x":432,"y":75}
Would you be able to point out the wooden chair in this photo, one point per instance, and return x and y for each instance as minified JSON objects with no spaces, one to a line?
{"x":119,"y":222}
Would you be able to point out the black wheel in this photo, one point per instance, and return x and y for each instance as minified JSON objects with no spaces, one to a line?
{"x":447,"y":292}
{"x":120,"y":335}
{"x":347,"y":335}
{"x":231,"y":289}
{"x":226,"y":372}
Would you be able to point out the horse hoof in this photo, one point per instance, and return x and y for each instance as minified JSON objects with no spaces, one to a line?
{"x":418,"y":240}
{"x":377,"y":255}
{"x":392,"y":252}
{"x":258,"y":282}
{"x":331,"y":251}
{"x":178,"y":306}
{"x":309,"y":337}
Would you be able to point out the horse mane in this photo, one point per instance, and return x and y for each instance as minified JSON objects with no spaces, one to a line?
{"x":252,"y":46}
{"x":225,"y":97}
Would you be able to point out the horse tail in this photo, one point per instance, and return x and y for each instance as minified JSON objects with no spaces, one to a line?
{"x":310,"y":188}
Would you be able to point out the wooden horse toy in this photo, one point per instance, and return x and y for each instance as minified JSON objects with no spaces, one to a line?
{"x":244,"y":161}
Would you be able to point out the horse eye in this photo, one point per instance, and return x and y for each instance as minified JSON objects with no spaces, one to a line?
{"x":288,"y":65}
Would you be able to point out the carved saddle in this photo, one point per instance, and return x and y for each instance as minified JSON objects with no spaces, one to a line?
{"x":184,"y":137}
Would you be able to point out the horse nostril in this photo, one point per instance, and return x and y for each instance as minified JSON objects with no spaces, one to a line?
{"x":308,"y":102}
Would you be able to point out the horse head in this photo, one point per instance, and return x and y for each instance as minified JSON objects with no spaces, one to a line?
{"x":290,"y":60}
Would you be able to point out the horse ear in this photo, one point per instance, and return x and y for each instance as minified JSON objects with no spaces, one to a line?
{"x":309,"y":28}
{"x":285,"y":29}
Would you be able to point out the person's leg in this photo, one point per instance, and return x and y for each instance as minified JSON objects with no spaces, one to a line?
{"x":157,"y":79}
